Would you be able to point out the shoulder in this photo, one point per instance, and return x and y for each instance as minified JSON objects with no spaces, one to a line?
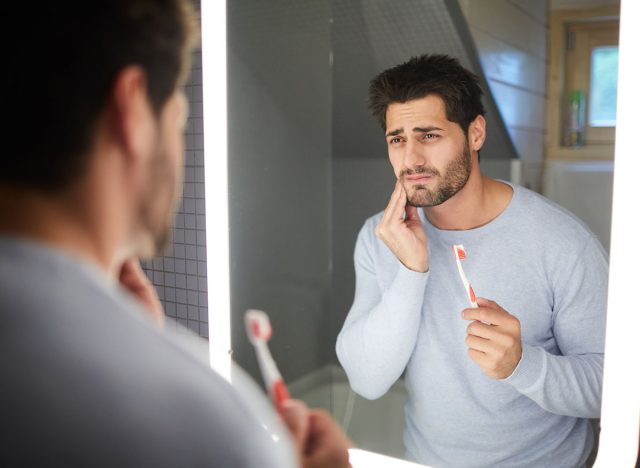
{"x":368,"y":229}
{"x":86,"y":353}
{"x":547,"y":220}
{"x":372,"y":221}
{"x":367,"y":238}
{"x":553,"y":235}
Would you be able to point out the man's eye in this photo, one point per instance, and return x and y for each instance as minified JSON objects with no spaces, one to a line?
{"x":430,"y":136}
{"x":395,"y":141}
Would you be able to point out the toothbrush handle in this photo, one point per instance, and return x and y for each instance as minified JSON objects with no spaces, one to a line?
{"x":280,"y":394}
{"x":472,"y":298}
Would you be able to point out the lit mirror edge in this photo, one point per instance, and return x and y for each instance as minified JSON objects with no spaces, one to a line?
{"x":620,"y":418}
{"x":365,"y":459}
{"x":621,"y":393}
{"x":214,"y":102}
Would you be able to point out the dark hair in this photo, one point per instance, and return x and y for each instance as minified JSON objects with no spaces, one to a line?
{"x":60,"y":70}
{"x":439,"y":75}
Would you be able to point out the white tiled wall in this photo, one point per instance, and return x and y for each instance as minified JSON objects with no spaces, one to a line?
{"x":180,"y":276}
{"x":511,"y":36}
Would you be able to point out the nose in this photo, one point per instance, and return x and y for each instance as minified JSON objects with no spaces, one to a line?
{"x":413,"y":155}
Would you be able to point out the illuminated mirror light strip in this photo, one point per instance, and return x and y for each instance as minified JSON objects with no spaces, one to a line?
{"x":621,"y":394}
{"x":214,"y":97}
{"x":364,"y":459}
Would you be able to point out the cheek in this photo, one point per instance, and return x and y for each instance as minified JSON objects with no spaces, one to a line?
{"x":179,"y":157}
{"x":175,"y":147}
{"x":396,"y":162}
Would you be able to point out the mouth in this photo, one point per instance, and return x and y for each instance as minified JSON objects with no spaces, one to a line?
{"x":418,"y":178}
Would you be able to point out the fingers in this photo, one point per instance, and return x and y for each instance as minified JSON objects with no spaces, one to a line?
{"x":412,"y":213}
{"x":392,"y":201}
{"x":488,"y":312}
{"x":327,"y":444}
{"x":295,"y":415}
{"x":401,"y":229}
{"x":484,"y":302}
{"x":497,"y":347}
{"x":319,"y":441}
{"x":395,"y":208}
{"x":482,"y":330}
{"x":490,"y":347}
{"x":133,"y":278}
{"x":131,"y":272}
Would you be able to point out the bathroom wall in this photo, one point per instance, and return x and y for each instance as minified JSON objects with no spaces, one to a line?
{"x":180,"y":275}
{"x":279,"y":176}
{"x":511,"y":37}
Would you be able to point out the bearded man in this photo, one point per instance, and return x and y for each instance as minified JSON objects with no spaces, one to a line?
{"x":507,"y":379}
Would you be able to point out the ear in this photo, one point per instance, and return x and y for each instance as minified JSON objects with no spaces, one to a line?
{"x":133,"y":117}
{"x":477,"y":133}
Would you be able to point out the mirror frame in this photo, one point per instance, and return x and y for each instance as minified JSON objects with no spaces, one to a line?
{"x":621,"y":391}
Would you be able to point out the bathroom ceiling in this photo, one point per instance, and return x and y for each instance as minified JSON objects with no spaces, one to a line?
{"x":369,"y":36}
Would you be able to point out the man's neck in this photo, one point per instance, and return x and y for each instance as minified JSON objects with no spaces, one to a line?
{"x":59,"y":221}
{"x":479,"y":202}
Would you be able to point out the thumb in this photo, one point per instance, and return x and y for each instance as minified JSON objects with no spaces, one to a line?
{"x":295,"y":415}
{"x":412,"y":212}
{"x":482,"y":302}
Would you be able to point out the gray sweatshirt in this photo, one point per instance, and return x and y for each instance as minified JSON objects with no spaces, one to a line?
{"x":541,"y":264}
{"x":87,"y":381}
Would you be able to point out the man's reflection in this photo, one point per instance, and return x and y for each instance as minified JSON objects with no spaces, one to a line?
{"x":511,"y":379}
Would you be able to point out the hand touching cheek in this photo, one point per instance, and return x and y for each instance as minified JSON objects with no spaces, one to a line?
{"x":132,"y":278}
{"x":402,"y":231}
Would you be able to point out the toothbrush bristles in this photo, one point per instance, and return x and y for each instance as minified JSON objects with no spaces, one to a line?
{"x":460,"y":252}
{"x":258,"y":325}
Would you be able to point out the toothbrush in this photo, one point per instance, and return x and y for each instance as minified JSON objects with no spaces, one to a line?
{"x":459,"y":252}
{"x":259,"y":332}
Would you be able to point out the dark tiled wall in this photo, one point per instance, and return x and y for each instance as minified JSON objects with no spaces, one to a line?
{"x":180,"y":276}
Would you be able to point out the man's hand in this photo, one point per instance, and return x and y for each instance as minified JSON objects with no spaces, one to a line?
{"x":495,"y":345}
{"x":402,"y":231}
{"x":319,"y":440}
{"x":133,"y":279}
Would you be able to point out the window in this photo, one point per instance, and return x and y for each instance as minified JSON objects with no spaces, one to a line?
{"x":591,"y":77}
{"x":603,"y":88}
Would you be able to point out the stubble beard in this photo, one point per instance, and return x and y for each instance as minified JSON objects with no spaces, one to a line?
{"x":156,"y":212}
{"x":455,"y":177}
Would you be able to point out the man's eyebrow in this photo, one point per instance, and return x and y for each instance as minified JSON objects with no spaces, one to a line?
{"x":398,"y":131}
{"x":395,"y":132}
{"x":425,"y":129}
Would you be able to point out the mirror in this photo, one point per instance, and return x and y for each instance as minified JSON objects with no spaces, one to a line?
{"x":307,"y":166}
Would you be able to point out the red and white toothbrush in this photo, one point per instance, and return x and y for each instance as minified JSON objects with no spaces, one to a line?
{"x":259,"y":332}
{"x":459,"y":252}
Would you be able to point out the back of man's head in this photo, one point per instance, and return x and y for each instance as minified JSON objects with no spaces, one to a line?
{"x":59,"y":71}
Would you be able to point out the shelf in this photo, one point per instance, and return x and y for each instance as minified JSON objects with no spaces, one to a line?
{"x":581,"y":153}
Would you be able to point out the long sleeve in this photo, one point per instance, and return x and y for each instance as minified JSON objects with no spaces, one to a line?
{"x":380,"y":331}
{"x":571,"y":383}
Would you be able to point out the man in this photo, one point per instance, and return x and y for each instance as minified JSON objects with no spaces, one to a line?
{"x":513,"y":381}
{"x":90,"y":177}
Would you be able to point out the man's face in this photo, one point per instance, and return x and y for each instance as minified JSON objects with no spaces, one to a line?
{"x":165,"y":174}
{"x":430,"y":155}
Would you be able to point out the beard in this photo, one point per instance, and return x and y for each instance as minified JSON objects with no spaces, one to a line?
{"x":454,"y":178}
{"x":159,"y":203}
